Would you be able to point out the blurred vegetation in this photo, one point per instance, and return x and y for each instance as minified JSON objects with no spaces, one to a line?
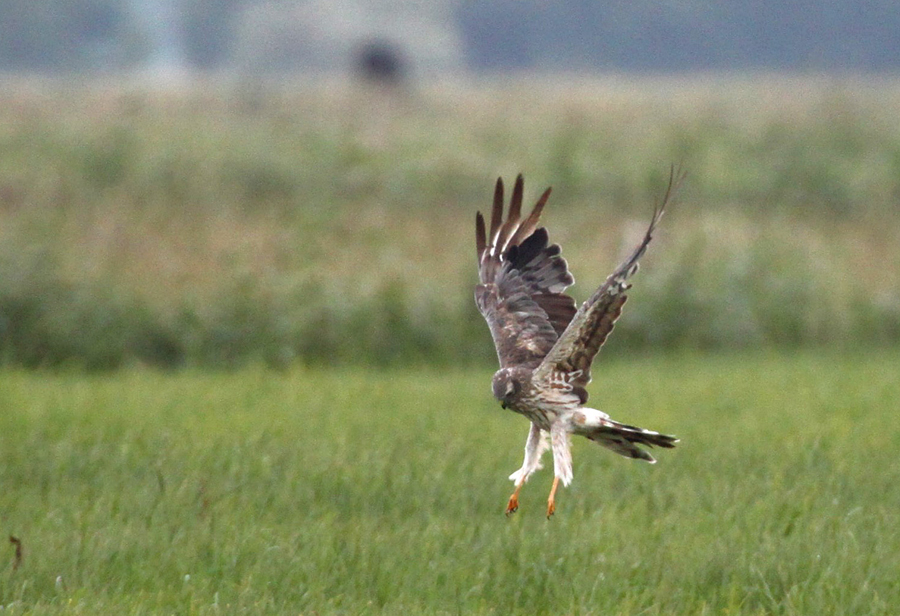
{"x":230,"y":223}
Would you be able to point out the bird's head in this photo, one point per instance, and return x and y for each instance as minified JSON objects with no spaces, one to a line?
{"x":505,"y":386}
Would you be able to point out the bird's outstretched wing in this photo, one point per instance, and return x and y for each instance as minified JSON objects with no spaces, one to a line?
{"x":574,"y":351}
{"x":522,"y":279}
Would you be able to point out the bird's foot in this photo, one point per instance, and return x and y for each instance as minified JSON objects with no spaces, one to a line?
{"x":551,"y":500}
{"x":513,"y":505}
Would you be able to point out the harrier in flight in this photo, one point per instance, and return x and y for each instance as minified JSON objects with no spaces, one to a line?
{"x":545,"y":345}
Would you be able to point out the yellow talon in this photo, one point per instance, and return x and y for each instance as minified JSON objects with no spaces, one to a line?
{"x":513,"y":505}
{"x":551,"y":501}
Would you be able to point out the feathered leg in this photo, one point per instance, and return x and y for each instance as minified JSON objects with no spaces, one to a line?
{"x":562,"y":462}
{"x":535,"y":446}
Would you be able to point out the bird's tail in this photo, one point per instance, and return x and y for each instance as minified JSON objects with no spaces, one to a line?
{"x":622,"y":438}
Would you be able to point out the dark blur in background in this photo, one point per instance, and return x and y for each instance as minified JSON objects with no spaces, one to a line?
{"x":448,"y":36}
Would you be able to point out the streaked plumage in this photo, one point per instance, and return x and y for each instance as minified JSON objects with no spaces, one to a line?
{"x":545,"y":345}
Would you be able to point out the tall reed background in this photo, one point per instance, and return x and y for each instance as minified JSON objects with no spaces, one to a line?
{"x":223,"y":224}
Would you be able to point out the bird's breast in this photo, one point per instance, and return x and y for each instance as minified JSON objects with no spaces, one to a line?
{"x":533,"y":405}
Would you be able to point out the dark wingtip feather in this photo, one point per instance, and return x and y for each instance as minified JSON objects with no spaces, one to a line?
{"x":508,"y":228}
{"x":515,"y":204}
{"x":480,"y":237}
{"x":531,"y":223}
{"x":497,"y":209}
{"x":676,"y":178}
{"x":530,"y":248}
{"x":539,"y":206}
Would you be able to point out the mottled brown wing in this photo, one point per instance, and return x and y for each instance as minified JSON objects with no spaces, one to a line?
{"x":574,"y":352}
{"x":522,"y":279}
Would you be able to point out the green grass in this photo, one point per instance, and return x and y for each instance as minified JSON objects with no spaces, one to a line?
{"x":354,"y":492}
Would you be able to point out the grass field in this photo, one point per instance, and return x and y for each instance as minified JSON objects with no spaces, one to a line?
{"x":355,"y":492}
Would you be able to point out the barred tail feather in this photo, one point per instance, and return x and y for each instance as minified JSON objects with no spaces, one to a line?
{"x":620,"y":438}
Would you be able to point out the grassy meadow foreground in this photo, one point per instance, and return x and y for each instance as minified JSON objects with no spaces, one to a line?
{"x":357,"y":492}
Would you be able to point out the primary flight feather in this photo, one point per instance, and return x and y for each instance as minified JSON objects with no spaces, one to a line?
{"x":544,"y":344}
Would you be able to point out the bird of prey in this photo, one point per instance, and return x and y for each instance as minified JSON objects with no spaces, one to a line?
{"x":545,"y":345}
